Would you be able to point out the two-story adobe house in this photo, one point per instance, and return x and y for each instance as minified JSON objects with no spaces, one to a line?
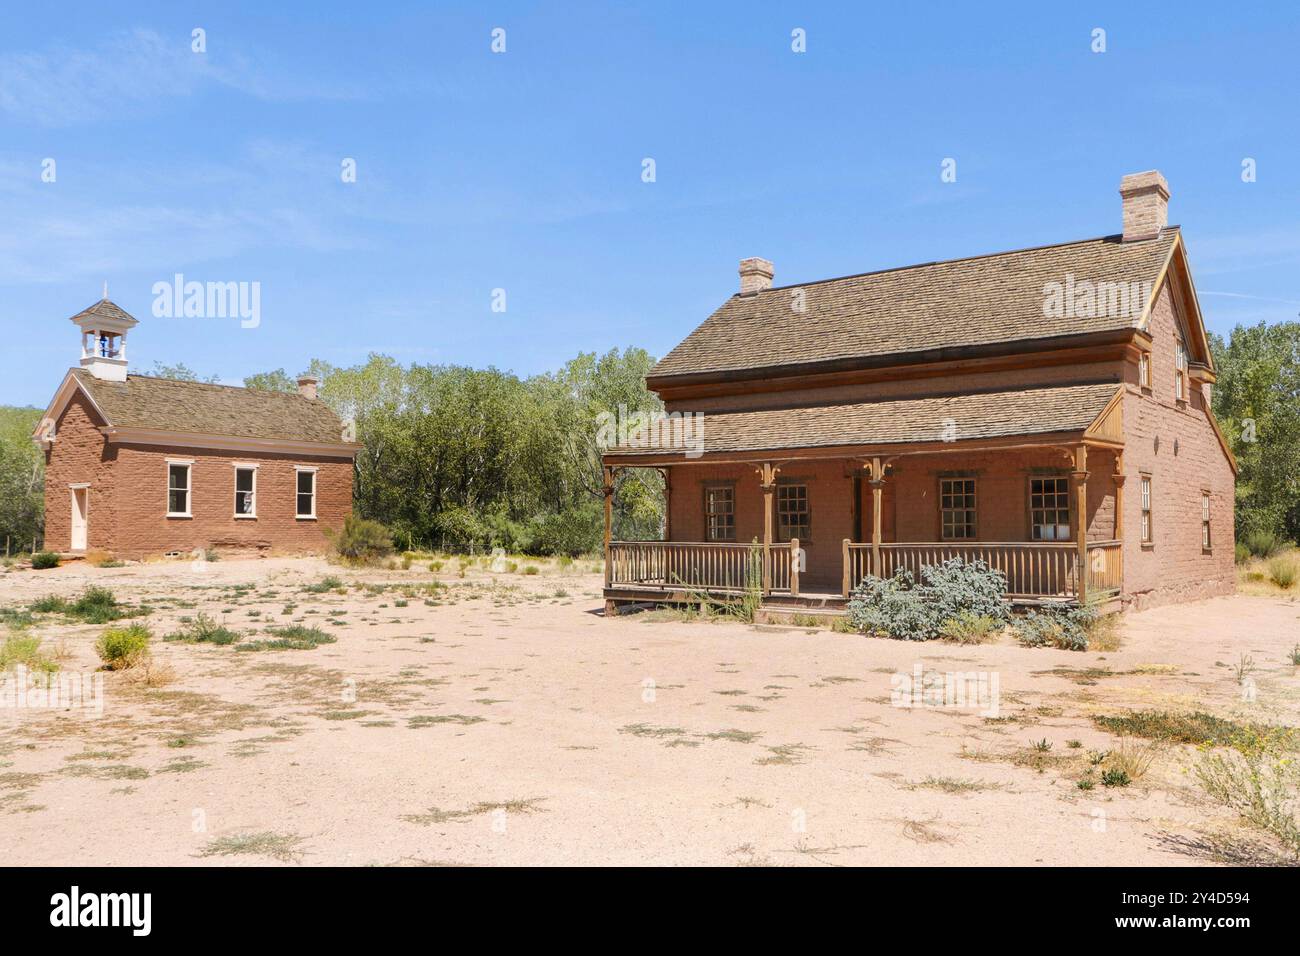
{"x":138,"y":466}
{"x":1046,"y":410}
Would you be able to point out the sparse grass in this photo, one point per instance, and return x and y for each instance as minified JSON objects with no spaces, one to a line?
{"x":1197,"y":727}
{"x":293,"y":637}
{"x":952,"y":785}
{"x":437,"y":815}
{"x":970,"y":628}
{"x":284,"y":847}
{"x":25,"y":649}
{"x":735,"y":736}
{"x":428,"y":720}
{"x":1261,"y":786}
{"x":95,"y":605}
{"x":1131,"y":760}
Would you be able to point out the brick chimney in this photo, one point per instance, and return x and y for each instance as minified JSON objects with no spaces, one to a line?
{"x":1146,"y":204}
{"x":307,"y":387}
{"x":755,"y":275}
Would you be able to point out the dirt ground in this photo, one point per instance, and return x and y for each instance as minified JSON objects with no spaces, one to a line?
{"x":502,"y":719}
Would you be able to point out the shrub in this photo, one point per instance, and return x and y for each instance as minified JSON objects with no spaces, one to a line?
{"x":954,"y":590}
{"x":1264,"y":544}
{"x":1114,"y":777}
{"x":969,"y":628}
{"x":1282,"y":572}
{"x":1260,"y":786}
{"x":204,"y":630}
{"x":1063,"y":626}
{"x":122,"y":647}
{"x":1241,"y":553}
{"x":362,"y":540}
{"x":531,"y":569}
{"x":96,"y":606}
{"x":50,"y":604}
{"x":330,"y":583}
{"x":42,"y":560}
{"x":296,"y":637}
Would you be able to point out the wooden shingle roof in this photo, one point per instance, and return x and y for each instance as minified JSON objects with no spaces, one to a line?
{"x":1027,"y":412}
{"x":962,"y":302}
{"x":199,"y":408}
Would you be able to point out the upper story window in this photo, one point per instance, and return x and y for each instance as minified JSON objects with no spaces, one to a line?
{"x":245,"y":491}
{"x":306,"y":495}
{"x":957,"y":508}
{"x":792,"y":516}
{"x":1205,"y":521}
{"x":1049,"y":508}
{"x":178,"y":488}
{"x":1180,"y":376}
{"x":1147,"y":530}
{"x":720,"y":513}
{"x":1144,"y":370}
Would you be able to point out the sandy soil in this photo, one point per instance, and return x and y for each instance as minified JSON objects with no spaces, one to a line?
{"x":511,"y":723}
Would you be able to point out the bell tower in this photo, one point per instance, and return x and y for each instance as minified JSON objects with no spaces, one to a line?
{"x":103,"y":339}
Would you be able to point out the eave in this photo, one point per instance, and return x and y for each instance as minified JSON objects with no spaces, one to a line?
{"x":283,"y":446}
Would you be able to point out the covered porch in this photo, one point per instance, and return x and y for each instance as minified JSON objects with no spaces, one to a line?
{"x":805,"y":525}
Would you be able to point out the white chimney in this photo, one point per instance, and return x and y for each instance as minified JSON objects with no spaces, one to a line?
{"x":307,"y":387}
{"x":755,"y":275}
{"x":1146,"y":204}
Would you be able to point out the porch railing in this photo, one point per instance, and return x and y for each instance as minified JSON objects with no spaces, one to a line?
{"x":688,"y":565}
{"x":1032,"y":568}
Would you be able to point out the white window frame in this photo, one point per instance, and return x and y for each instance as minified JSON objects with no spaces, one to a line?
{"x":1146,"y":504}
{"x":188,"y":465}
{"x":1144,"y":370}
{"x":298,"y":470}
{"x":1207,"y":539}
{"x":246,"y":466}
{"x":1180,"y":380}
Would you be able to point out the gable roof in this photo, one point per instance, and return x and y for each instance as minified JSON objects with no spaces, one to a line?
{"x":169,"y":405}
{"x":954,"y":418}
{"x":981,"y":300}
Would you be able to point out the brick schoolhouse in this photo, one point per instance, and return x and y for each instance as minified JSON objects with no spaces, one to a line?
{"x":1046,"y":410}
{"x":137,"y":465}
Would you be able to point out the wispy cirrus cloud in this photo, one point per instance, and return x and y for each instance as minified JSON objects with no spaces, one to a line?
{"x":64,"y":86}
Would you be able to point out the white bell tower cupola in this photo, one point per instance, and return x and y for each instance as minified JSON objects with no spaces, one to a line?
{"x":103,"y":339}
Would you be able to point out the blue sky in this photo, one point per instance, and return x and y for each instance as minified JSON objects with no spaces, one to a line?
{"x":522,"y":170}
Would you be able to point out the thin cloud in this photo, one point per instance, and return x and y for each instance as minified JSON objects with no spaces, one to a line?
{"x":61,"y":86}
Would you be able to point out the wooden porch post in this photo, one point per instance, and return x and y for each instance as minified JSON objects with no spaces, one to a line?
{"x":1118,"y":478}
{"x":877,"y":486}
{"x":1080,"y":478}
{"x":608,"y":490}
{"x":794,"y":567}
{"x":668,"y":502}
{"x":767,"y":475}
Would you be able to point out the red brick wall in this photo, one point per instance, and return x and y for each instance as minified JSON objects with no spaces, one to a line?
{"x":128,"y":495}
{"x":1174,"y":568}
{"x":79,"y":454}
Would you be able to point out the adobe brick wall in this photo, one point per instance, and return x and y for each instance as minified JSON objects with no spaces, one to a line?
{"x":1174,"y":568}
{"x":128,"y":495}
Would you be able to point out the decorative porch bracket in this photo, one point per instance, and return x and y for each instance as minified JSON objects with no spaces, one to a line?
{"x":767,"y":473}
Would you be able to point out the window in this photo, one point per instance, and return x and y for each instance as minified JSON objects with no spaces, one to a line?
{"x":720,"y":513}
{"x":1049,"y":509}
{"x":1146,"y":509}
{"x":178,"y":489}
{"x":1205,"y":521}
{"x":792,"y":519}
{"x":306,"y":493}
{"x":245,"y":491}
{"x":1180,"y":376}
{"x":1144,"y":370}
{"x":957,"y":507}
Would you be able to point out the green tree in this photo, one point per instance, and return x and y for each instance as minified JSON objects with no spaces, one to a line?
{"x":1257,"y":402}
{"x":276,"y":381}
{"x":22,"y":478}
{"x":182,"y":373}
